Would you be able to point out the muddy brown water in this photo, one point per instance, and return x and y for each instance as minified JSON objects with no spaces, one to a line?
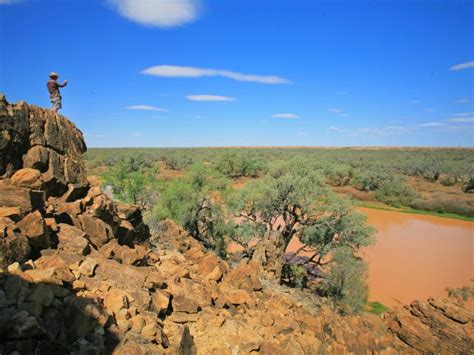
{"x":417,"y":256}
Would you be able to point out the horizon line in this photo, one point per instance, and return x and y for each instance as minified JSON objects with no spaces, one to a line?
{"x":290,"y":147}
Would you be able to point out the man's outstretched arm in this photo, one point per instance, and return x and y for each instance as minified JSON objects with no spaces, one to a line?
{"x":63,"y":84}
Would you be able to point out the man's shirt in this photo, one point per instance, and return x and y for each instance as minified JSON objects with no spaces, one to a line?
{"x":53,"y":88}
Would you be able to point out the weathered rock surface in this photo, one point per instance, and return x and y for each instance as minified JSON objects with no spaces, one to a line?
{"x":39,"y":149}
{"x":81,"y":275}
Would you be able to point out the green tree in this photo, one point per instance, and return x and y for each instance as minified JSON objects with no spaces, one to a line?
{"x":274,"y":210}
{"x":345,"y":282}
{"x":395,"y":192}
{"x":132,"y":182}
{"x":193,"y":202}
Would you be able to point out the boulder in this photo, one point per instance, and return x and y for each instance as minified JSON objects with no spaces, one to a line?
{"x":59,"y":264}
{"x":27,"y":177}
{"x":14,"y":246}
{"x":97,"y":231}
{"x":72,"y":239}
{"x":25,"y":200}
{"x":34,"y":228}
{"x":12,"y":213}
{"x":37,"y":158}
{"x":119,"y":275}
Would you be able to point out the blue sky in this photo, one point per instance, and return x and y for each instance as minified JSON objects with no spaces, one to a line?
{"x":160,"y":73}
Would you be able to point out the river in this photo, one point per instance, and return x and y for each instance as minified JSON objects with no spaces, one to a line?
{"x":414,"y":256}
{"x":417,"y":256}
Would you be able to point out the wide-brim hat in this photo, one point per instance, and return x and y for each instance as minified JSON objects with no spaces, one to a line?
{"x":54,"y":75}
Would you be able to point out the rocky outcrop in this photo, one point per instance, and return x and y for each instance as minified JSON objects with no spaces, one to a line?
{"x":39,"y":149}
{"x":434,"y":326}
{"x":82,"y":275}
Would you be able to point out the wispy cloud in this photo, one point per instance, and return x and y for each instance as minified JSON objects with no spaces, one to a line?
{"x":336,"y":110}
{"x":431,"y":124}
{"x":429,"y":110}
{"x":286,"y":115}
{"x":136,"y":134}
{"x":302,"y":134}
{"x":209,"y":98}
{"x":344,"y":115}
{"x":464,"y":114}
{"x":387,"y":131}
{"x":415,"y":102}
{"x":173,"y":71}
{"x":462,"y":66}
{"x":9,"y":2}
{"x":462,"y":119}
{"x":159,"y":13}
{"x":463,"y":100}
{"x":145,"y":108}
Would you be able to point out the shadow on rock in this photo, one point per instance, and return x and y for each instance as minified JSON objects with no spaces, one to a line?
{"x":47,"y":318}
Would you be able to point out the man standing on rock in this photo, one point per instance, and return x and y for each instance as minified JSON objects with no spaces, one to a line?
{"x":54,"y":94}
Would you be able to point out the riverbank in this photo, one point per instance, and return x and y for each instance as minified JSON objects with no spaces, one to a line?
{"x":383,"y":207}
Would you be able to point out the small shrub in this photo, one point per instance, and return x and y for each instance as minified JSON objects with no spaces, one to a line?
{"x":395,"y":192}
{"x":376,"y":308}
{"x":346,"y":282}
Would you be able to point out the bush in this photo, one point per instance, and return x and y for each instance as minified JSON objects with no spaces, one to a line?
{"x":395,"y":192}
{"x":369,"y":180}
{"x":338,"y":174}
{"x":133,"y":182}
{"x":376,"y":308}
{"x":191,"y":202}
{"x":461,"y":294}
{"x":346,"y":282}
{"x":469,"y":187}
{"x":235,"y":165}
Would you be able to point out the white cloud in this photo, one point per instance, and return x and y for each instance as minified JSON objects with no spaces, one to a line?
{"x":145,"y":108}
{"x":286,"y":115}
{"x":462,"y":66}
{"x":334,"y":129}
{"x":431,"y":124}
{"x":336,"y":110}
{"x":159,"y":13}
{"x":173,"y":71}
{"x":462,"y":119}
{"x":136,"y":134}
{"x":8,"y":2}
{"x":464,"y":100}
{"x":344,"y":115}
{"x":414,"y":102}
{"x":458,"y":128}
{"x":429,"y":110}
{"x":302,"y":134}
{"x":464,"y":114}
{"x":209,"y":98}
